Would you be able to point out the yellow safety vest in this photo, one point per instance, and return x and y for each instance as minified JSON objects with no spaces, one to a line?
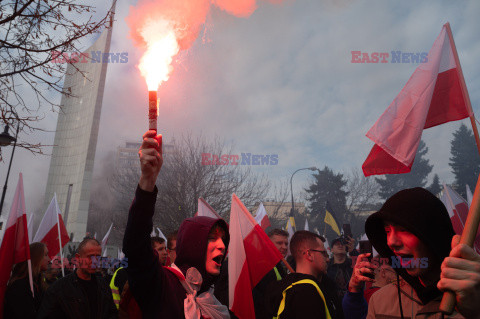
{"x":303,"y":281}
{"x":115,"y":292}
{"x":277,"y":273}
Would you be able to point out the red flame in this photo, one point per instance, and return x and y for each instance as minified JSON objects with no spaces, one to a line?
{"x":164,"y":27}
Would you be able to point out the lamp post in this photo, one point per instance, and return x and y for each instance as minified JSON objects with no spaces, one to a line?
{"x":313,"y":168}
{"x":5,"y":140}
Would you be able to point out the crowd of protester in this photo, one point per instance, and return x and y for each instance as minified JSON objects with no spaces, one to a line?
{"x":186,"y":276}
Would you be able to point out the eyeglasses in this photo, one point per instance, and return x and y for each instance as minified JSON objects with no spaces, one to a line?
{"x":323,"y":252}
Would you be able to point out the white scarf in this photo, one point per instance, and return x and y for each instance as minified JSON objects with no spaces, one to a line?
{"x":205,"y":304}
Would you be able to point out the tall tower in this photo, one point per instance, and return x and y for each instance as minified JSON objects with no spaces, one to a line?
{"x":71,"y":164}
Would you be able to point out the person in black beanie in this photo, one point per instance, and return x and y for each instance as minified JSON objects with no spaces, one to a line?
{"x":413,"y":230}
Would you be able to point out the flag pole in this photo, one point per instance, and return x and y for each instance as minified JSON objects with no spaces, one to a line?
{"x":59,"y":234}
{"x":288,"y":265}
{"x":463,"y":86}
{"x":473,"y":219}
{"x":27,"y":245}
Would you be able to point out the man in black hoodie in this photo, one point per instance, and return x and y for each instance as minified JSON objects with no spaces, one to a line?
{"x":413,"y":230}
{"x":185,"y":289}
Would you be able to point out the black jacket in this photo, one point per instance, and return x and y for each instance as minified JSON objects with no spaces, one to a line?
{"x":66,"y":299}
{"x":19,"y":302}
{"x":340,"y":274}
{"x":157,"y":290}
{"x":303,"y":300}
{"x":261,"y":290}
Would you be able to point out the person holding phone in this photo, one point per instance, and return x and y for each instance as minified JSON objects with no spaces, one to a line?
{"x":340,"y":265}
{"x":413,"y":230}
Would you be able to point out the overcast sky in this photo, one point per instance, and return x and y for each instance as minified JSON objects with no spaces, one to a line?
{"x":279,"y":82}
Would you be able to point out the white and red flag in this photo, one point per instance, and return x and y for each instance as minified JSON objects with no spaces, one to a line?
{"x":261,"y":217}
{"x":204,"y":209}
{"x":161,"y":235}
{"x":30,"y":228}
{"x":457,"y":209}
{"x":469,"y":195}
{"x":50,"y":227}
{"x":435,"y":94}
{"x":306,"y":225}
{"x":15,"y":246}
{"x":251,"y":256}
{"x":105,"y":238}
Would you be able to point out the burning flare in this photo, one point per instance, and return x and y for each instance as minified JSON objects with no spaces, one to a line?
{"x":161,"y":41}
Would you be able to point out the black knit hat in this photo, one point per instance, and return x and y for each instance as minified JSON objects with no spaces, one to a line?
{"x":421,"y":213}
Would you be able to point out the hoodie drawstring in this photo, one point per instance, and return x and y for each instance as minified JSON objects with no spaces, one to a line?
{"x":399,"y":296}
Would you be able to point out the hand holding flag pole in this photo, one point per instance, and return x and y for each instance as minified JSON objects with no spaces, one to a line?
{"x":473,"y":219}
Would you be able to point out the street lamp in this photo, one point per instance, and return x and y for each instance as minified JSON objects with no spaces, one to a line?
{"x":313,"y":168}
{"x":5,"y":140}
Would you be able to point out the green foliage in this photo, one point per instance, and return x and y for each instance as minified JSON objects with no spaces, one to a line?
{"x":464,"y":160}
{"x":435,"y":187}
{"x":418,"y":176}
{"x":330,"y":186}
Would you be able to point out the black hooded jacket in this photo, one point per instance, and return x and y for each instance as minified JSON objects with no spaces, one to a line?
{"x":303,"y":301}
{"x":156,"y":289}
{"x":425,"y":216}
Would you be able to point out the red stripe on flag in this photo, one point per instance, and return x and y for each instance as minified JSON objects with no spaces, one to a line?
{"x":63,"y":231}
{"x":14,"y":249}
{"x":265,"y":222}
{"x":261,"y":258}
{"x":448,"y":103}
{"x":243,"y":303}
{"x":22,"y":248}
{"x":380,"y":162}
{"x":51,"y":240}
{"x":457,"y":224}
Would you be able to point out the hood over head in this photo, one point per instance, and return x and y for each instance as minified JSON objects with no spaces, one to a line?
{"x":192,"y":242}
{"x":424,"y":215}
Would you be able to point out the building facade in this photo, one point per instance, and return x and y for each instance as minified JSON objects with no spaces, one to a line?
{"x":71,"y":164}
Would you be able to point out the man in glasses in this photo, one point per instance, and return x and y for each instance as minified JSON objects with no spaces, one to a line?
{"x":308,"y":293}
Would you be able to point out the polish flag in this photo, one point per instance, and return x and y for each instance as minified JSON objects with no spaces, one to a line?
{"x":105,"y":238}
{"x":261,"y":217}
{"x":457,"y":209}
{"x":306,"y":225}
{"x":435,"y":94}
{"x":206,"y":210}
{"x":30,"y":228}
{"x":161,"y":235}
{"x":15,"y":246}
{"x":251,"y":256}
{"x":50,"y":226}
{"x":469,"y":196}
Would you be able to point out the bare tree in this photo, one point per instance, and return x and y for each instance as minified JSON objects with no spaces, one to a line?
{"x":31,"y":32}
{"x":182,"y":180}
{"x":362,"y":196}
{"x":362,"y":191}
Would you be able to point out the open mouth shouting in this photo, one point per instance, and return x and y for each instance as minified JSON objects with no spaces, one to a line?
{"x":218,"y":260}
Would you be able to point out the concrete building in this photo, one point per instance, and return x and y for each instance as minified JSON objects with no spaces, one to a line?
{"x":73,"y":155}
